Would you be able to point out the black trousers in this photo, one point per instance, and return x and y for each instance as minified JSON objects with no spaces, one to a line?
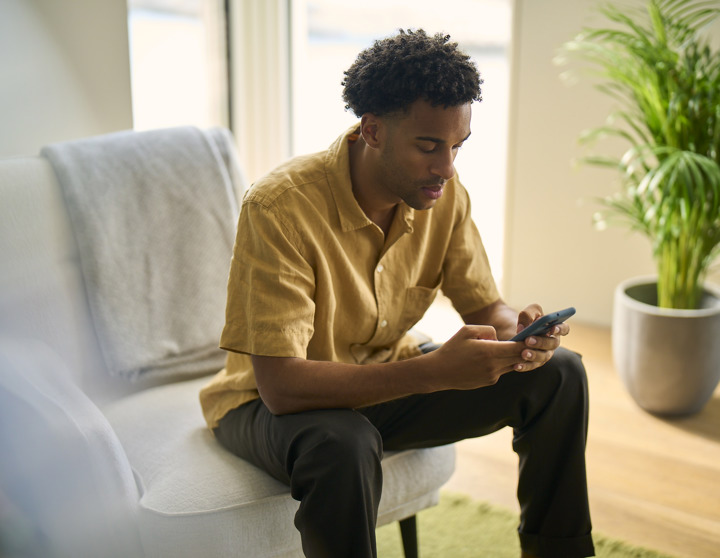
{"x":331,"y":458}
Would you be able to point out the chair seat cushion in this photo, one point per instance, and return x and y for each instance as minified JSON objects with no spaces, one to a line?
{"x":199,"y":499}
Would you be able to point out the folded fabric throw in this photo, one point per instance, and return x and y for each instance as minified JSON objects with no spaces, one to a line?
{"x":154,"y":216}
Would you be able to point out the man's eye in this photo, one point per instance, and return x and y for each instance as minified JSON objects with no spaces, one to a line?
{"x":427,"y":148}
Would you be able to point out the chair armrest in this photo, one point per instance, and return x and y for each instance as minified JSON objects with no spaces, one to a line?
{"x":64,"y":475}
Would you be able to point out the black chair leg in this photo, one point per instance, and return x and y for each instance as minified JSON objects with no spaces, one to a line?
{"x":408,"y":531}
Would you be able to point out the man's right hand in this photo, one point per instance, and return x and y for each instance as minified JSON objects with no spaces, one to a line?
{"x":474,"y":358}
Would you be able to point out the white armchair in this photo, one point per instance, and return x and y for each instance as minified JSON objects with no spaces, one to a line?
{"x":96,"y":463}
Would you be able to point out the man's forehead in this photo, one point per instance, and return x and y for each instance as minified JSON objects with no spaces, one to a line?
{"x":438,"y":123}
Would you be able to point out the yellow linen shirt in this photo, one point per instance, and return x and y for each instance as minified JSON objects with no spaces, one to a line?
{"x":312,"y":277}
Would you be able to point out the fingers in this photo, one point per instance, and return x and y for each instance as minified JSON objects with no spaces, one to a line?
{"x":474,"y":358}
{"x":477,"y":332}
{"x":548,"y":342}
{"x":532,"y":360}
{"x":531,"y":313}
{"x":537,"y":351}
{"x":528,"y":316}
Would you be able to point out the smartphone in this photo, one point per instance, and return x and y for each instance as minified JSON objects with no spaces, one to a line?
{"x":544,"y":324}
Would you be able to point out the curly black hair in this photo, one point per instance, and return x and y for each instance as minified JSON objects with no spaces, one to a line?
{"x":397,"y":71}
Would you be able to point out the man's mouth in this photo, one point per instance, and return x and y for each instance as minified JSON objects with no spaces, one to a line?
{"x":433,"y":191}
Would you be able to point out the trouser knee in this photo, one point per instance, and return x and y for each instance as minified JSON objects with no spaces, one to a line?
{"x":342,"y":434}
{"x":572,"y":385}
{"x":572,"y":377}
{"x":344,"y":449}
{"x":558,"y":391}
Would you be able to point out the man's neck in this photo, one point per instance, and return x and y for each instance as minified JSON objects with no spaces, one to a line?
{"x":365,"y":188}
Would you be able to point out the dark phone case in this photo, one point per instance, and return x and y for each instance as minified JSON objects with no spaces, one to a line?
{"x":544,"y":324}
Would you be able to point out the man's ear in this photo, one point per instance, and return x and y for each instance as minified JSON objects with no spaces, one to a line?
{"x":372,"y":129}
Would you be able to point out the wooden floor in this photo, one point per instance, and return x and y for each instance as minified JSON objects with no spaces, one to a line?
{"x":653,"y":482}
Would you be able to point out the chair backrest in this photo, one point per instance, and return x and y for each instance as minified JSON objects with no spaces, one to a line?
{"x":43,"y":293}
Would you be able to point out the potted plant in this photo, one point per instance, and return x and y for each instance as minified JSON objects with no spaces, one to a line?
{"x":656,"y":64}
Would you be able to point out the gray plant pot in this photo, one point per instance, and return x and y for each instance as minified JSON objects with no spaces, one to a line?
{"x":669,"y":360}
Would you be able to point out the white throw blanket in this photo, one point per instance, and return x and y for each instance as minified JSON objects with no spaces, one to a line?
{"x":154,"y":216}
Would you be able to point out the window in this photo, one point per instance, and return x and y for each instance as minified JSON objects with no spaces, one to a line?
{"x":328,"y":34}
{"x":178,"y":57}
{"x":285,"y":107}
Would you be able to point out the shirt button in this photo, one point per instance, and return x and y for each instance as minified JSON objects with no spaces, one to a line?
{"x":383,"y":323}
{"x":380,"y":268}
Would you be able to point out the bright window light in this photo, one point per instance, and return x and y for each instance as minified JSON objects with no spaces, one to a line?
{"x":328,"y":34}
{"x":178,"y":63}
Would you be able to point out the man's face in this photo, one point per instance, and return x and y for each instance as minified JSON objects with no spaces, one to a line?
{"x":419,"y":148}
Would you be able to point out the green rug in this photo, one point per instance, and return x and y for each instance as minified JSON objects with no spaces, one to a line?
{"x":461,"y":528}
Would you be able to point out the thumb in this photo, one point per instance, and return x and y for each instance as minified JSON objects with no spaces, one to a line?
{"x":479,"y":332}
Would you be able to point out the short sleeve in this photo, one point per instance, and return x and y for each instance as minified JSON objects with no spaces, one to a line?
{"x":270,"y":306}
{"x":468,"y":279}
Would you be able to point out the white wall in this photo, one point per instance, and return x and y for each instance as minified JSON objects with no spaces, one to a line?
{"x":65,"y":72}
{"x":554,"y":256}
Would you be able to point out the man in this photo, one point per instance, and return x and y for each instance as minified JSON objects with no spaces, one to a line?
{"x":338,"y":255}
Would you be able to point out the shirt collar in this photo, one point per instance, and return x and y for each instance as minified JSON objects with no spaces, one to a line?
{"x":337,"y":167}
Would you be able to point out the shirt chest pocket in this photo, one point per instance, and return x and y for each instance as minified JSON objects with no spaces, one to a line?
{"x":417,"y":301}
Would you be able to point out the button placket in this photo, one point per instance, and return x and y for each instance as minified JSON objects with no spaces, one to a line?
{"x":382,"y":322}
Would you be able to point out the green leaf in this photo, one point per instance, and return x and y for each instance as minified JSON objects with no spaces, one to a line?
{"x":665,"y":77}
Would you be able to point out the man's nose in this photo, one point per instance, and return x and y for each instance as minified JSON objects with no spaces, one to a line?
{"x":443,"y":165}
